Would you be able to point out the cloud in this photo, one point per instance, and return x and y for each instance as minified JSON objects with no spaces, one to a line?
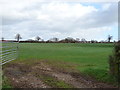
{"x":57,"y":19}
{"x":102,"y":17}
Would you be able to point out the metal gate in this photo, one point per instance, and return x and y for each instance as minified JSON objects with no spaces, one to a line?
{"x":9,"y":51}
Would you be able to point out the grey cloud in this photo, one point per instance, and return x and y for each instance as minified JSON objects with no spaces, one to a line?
{"x":99,"y":18}
{"x":12,"y":20}
{"x":30,"y":26}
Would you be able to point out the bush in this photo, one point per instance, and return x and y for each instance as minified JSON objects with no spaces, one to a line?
{"x":114,"y":61}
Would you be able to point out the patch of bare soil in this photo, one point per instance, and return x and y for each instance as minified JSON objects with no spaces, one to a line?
{"x":28,"y":76}
{"x":21,"y":76}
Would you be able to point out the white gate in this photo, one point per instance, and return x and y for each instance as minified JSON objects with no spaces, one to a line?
{"x":9,"y":51}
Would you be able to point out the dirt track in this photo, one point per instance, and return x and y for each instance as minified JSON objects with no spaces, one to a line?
{"x":26,"y":76}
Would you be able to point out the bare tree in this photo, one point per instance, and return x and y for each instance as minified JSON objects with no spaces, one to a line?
{"x":54,"y":39}
{"x":18,"y":37}
{"x":83,"y":40}
{"x":2,"y":38}
{"x":109,"y":38}
{"x":77,"y":39}
{"x":37,"y":38}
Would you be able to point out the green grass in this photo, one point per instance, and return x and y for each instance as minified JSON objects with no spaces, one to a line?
{"x":54,"y":82}
{"x":6,"y":83}
{"x":86,"y":55}
{"x":100,"y":75}
{"x":91,"y":59}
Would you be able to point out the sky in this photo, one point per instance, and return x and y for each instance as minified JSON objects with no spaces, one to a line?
{"x":31,"y":18}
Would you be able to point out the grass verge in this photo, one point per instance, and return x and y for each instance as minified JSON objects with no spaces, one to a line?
{"x":100,"y":75}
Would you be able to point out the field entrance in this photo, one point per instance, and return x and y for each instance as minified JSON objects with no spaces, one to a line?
{"x":9,"y":51}
{"x":41,"y":74}
{"x":64,"y":65}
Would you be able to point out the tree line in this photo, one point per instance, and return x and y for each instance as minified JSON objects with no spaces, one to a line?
{"x":56,"y":40}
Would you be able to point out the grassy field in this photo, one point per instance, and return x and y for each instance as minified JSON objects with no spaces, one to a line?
{"x":85,"y":55}
{"x":89,"y":59}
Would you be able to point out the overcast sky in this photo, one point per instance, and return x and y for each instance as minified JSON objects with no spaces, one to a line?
{"x":59,"y":19}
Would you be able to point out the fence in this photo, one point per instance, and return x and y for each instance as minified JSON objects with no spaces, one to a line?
{"x":9,"y":51}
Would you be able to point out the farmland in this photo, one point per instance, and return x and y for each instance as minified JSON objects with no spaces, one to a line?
{"x":86,"y":59}
{"x":86,"y":55}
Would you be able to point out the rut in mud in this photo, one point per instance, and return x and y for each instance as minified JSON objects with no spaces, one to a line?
{"x":42,"y":75}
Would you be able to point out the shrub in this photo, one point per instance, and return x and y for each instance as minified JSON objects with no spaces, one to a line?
{"x":114,"y":61}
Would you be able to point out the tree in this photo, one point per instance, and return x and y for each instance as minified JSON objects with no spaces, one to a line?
{"x":18,"y":37}
{"x":2,"y":38}
{"x":77,"y":39}
{"x":54,"y":39}
{"x":37,"y":38}
{"x":109,"y":38}
{"x":83,"y":40}
{"x":94,"y":41}
{"x":69,"y":39}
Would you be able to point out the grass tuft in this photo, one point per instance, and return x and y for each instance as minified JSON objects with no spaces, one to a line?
{"x":53,"y":82}
{"x":6,"y":83}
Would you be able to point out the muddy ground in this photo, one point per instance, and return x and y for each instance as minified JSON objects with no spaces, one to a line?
{"x":23,"y":75}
